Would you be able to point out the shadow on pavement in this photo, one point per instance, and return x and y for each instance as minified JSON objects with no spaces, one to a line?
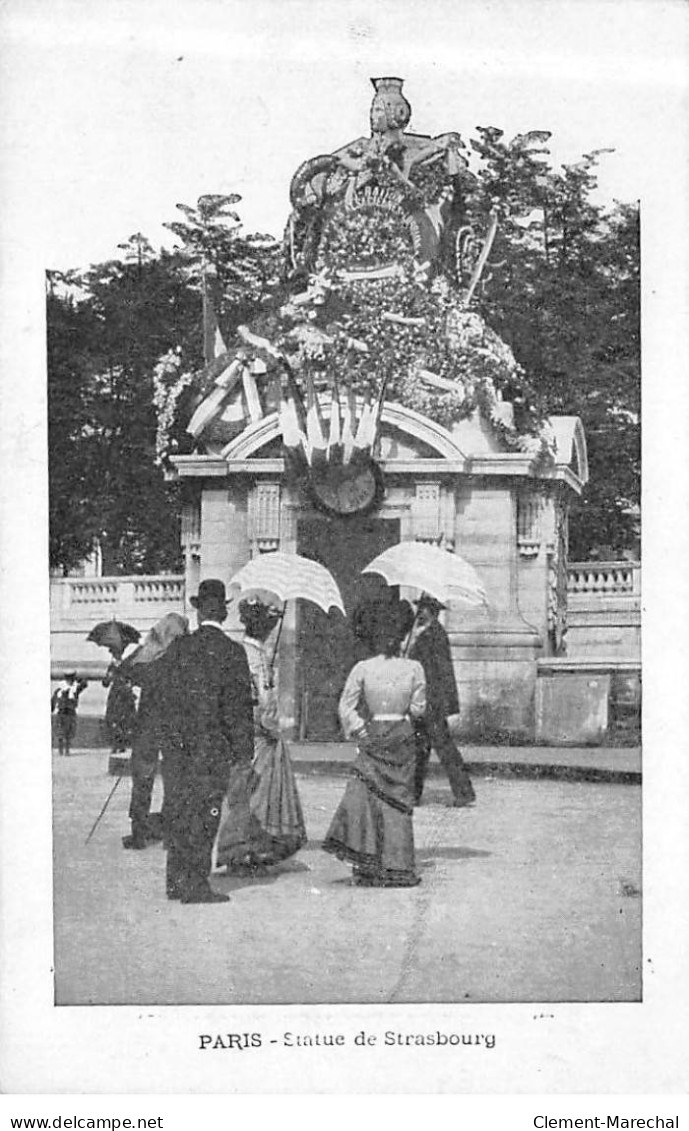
{"x":451,"y":853}
{"x":233,"y":882}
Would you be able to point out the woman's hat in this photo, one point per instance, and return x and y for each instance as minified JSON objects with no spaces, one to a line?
{"x":160,"y":638}
{"x":258,"y":604}
{"x":210,"y":589}
{"x":256,"y":614}
{"x":433,"y":605}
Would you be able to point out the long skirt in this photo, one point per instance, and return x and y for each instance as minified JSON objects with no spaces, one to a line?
{"x":372,"y":827}
{"x":270,"y":828}
{"x":120,"y":714}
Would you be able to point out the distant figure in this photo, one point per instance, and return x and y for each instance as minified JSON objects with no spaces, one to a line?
{"x":66,"y":701}
{"x":120,"y":709}
{"x":276,"y":827}
{"x":372,"y":828}
{"x":431,"y":648}
{"x":208,"y":732}
{"x":145,"y":669}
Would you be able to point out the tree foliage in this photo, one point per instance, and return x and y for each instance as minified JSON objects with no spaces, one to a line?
{"x":564,"y":293}
{"x":105,"y":333}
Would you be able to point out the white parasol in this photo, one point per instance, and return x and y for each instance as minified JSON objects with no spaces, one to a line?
{"x":290,"y":576}
{"x":430,"y":569}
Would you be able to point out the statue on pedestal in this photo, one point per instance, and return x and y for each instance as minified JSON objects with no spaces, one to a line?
{"x":381,"y":270}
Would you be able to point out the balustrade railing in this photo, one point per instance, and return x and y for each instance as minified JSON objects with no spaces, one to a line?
{"x":78,"y":597}
{"x":92,"y":591}
{"x":158,"y":588}
{"x":604,"y":579}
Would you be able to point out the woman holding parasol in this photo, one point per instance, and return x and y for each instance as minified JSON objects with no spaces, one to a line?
{"x":120,"y":709}
{"x":372,"y":827}
{"x":441,"y":576}
{"x":276,"y":827}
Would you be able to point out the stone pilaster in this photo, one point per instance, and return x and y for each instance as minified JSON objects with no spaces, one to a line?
{"x":494,"y":648}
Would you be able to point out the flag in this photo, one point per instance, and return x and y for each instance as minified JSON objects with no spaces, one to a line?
{"x":214,"y":404}
{"x":348,"y":424}
{"x":290,"y":415}
{"x":315,"y":430}
{"x":364,"y":433}
{"x":335,"y":449}
{"x":213,"y":343}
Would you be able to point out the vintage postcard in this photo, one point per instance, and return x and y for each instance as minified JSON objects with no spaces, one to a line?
{"x":325,"y":612}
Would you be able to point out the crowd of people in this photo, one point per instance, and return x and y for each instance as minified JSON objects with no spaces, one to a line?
{"x":209,"y":706}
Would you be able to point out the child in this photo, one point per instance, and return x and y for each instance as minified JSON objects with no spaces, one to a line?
{"x":65,"y":700}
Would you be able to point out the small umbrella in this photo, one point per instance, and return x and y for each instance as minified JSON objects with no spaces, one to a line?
{"x":114,"y":634}
{"x":438,"y":572}
{"x":289,"y":577}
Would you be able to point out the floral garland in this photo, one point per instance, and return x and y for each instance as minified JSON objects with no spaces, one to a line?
{"x":169,"y":381}
{"x":367,"y":329}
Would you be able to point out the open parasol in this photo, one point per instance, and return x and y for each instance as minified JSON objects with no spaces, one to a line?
{"x":430,"y":569}
{"x":114,"y":634}
{"x":290,"y":576}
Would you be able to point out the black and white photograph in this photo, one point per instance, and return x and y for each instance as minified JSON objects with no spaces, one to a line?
{"x":327,"y":514}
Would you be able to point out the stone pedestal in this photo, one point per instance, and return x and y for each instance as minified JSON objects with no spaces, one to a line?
{"x":494,"y":507}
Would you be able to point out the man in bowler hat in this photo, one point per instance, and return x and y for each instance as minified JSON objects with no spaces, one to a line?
{"x":432,"y":649}
{"x":209,"y":728}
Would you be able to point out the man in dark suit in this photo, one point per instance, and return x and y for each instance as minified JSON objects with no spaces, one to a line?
{"x":208,"y":727}
{"x":432,"y":650}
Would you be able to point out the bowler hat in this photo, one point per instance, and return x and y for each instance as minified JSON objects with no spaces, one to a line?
{"x":210,"y":589}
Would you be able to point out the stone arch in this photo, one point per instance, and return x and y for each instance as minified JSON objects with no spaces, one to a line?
{"x":406,"y":420}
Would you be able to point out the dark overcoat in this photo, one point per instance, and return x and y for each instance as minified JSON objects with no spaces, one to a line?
{"x":432,"y":650}
{"x":208,"y":713}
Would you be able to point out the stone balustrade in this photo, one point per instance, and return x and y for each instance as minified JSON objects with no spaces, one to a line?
{"x":74,"y":597}
{"x":604,"y":578}
{"x":604,"y":610}
{"x":78,"y":603}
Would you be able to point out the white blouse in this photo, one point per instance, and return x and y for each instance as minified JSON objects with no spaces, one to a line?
{"x":263,"y":686}
{"x":390,"y":686}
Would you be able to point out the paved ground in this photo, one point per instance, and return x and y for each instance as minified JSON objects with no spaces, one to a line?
{"x":584,"y":763}
{"x":533,"y":895}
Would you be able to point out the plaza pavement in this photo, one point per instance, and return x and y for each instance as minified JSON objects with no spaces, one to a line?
{"x":533,"y":895}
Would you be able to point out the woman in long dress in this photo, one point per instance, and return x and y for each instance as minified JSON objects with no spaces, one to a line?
{"x":372,"y":827}
{"x":273,"y":829}
{"x":120,"y":709}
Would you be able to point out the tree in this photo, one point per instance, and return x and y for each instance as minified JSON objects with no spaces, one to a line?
{"x":102,"y":347}
{"x":74,"y":524}
{"x":108,"y":329}
{"x":565,"y":295}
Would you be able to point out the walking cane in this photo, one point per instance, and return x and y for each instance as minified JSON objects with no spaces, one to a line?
{"x":277,"y":644}
{"x":107,"y":802}
{"x":410,"y":634}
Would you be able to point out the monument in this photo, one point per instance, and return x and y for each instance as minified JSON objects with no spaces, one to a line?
{"x":367,"y":402}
